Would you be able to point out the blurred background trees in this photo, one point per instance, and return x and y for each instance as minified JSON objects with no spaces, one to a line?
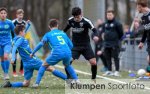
{"x":40,"y":11}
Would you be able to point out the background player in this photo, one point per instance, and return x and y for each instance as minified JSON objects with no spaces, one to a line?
{"x":142,"y":7}
{"x":29,"y":64}
{"x":61,"y":51}
{"x":80,"y":38}
{"x":6,"y":27}
{"x":19,"y":21}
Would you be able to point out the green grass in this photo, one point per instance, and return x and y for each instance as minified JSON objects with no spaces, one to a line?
{"x":49,"y":83}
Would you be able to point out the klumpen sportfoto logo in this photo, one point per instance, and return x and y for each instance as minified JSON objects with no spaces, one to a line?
{"x":122,"y":86}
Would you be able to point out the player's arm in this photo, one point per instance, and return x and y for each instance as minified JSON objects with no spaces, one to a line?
{"x":67,"y":27}
{"x":12,"y":27}
{"x":27,"y":26}
{"x":43,"y":41}
{"x":95,"y":34}
{"x":69,"y":42}
{"x":119,"y":30}
{"x":14,"y":49}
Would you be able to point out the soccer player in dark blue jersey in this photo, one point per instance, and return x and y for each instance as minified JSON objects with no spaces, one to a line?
{"x":29,"y":63}
{"x":61,"y":51}
{"x":6,"y":27}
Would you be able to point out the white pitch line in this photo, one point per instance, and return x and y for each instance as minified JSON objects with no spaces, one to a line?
{"x":114,"y":80}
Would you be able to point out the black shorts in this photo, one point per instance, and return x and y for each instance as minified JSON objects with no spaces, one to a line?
{"x":86,"y":51}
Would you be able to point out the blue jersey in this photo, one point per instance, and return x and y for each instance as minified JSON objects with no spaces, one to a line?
{"x":22,"y":45}
{"x":58,"y":41}
{"x":6,"y":27}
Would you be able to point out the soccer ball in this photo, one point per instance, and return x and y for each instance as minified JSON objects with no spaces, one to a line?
{"x":141,"y":72}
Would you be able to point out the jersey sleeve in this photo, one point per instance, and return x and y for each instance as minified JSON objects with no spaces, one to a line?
{"x":67,"y":27}
{"x":12,"y":27}
{"x":43,"y":41}
{"x":91,"y":26}
{"x":27,"y":27}
{"x":16,"y":45}
{"x":69,"y":43}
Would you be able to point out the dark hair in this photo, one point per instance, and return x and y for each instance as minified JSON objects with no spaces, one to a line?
{"x":110,"y":11}
{"x":19,"y":11}
{"x":3,"y":8}
{"x":53,"y":23}
{"x":19,"y":28}
{"x":143,"y":3}
{"x":76,"y":11}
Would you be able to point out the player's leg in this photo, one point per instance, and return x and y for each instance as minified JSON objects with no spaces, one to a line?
{"x":7,"y":50}
{"x":76,"y":51}
{"x":104,"y":62}
{"x":89,"y":55}
{"x":69,"y":68}
{"x":107,"y":54}
{"x":21,"y":68}
{"x":115,"y":55}
{"x":14,"y":67}
{"x":2,"y":58}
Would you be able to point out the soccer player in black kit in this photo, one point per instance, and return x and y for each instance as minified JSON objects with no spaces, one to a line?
{"x":80,"y":27}
{"x":142,"y":7}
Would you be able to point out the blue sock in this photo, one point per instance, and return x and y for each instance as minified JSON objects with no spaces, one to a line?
{"x":71,"y":71}
{"x":40,"y":74}
{"x":59,"y":74}
{"x":17,"y":84}
{"x":3,"y":66}
{"x":7,"y":63}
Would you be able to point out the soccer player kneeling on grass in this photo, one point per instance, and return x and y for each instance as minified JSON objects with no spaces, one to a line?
{"x":61,"y":51}
{"x":29,"y":63}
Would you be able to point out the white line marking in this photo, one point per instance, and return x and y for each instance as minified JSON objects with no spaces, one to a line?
{"x":114,"y":80}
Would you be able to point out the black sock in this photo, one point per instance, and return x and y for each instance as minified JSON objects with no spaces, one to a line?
{"x":67,"y":73}
{"x":14,"y":66}
{"x":21,"y":65}
{"x":94,"y":71}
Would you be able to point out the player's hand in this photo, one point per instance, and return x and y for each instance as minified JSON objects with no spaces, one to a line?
{"x":12,"y":62}
{"x":96,"y":39}
{"x":140,"y":46}
{"x":99,"y":52}
{"x":28,"y":21}
{"x":31,"y":55}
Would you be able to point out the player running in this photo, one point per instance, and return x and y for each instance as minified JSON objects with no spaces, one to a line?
{"x":29,"y":64}
{"x":80,"y":38}
{"x":61,"y":51}
{"x":6,"y":27}
{"x":142,"y":7}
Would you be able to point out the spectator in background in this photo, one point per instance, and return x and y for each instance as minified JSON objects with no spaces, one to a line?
{"x":99,"y":45}
{"x":113,"y":32}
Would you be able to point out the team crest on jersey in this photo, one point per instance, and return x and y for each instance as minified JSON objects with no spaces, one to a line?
{"x":6,"y":26}
{"x":111,"y":25}
{"x":81,"y":24}
{"x":100,"y":29}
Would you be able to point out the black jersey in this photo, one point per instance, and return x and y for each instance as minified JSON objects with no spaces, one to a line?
{"x":145,"y":21}
{"x":80,"y":30}
{"x":16,"y":22}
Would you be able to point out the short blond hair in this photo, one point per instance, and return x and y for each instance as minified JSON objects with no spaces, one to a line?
{"x":20,"y":11}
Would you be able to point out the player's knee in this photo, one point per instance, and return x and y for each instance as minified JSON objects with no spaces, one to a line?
{"x":26,"y":83}
{"x":45,"y":64}
{"x":50,"y":68}
{"x":5,"y":57}
{"x":92,"y":61}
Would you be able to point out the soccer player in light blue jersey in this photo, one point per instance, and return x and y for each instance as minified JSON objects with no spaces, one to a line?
{"x":6,"y":27}
{"x":61,"y":51}
{"x":29,"y":63}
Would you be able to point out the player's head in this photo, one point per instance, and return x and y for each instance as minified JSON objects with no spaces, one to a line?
{"x":141,"y":5}
{"x":77,"y":14}
{"x":19,"y":30}
{"x":3,"y":13}
{"x":53,"y":23}
{"x":110,"y":14}
{"x":20,"y":14}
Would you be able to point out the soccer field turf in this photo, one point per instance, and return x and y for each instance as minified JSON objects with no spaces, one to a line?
{"x":49,"y":83}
